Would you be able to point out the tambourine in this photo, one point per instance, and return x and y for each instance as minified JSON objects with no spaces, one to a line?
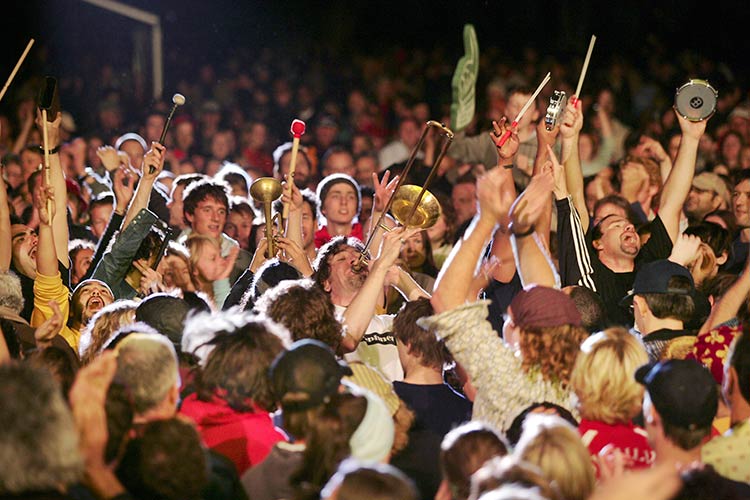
{"x":557,"y":103}
{"x":696,"y":100}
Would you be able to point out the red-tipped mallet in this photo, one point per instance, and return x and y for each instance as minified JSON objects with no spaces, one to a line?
{"x":501,"y":142}
{"x":297,"y":130}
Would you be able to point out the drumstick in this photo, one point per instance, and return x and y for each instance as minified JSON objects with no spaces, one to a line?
{"x":177,"y":100}
{"x":297,"y":130}
{"x":500,"y":143}
{"x":15,"y":70}
{"x":45,"y":140}
{"x":583,"y":70}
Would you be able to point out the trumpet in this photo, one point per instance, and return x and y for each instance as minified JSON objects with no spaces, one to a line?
{"x":266,"y":190}
{"x":412,"y":205}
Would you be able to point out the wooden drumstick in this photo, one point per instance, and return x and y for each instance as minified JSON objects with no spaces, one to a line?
{"x":501,"y":142}
{"x":297,"y":130}
{"x":15,"y":70}
{"x":583,"y":70}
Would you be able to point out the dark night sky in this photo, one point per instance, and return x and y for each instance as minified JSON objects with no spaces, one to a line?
{"x":200,"y":30}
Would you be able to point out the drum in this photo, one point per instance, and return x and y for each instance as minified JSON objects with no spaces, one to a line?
{"x":555,"y":110}
{"x":696,"y":100}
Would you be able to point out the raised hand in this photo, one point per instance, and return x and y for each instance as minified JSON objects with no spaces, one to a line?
{"x":651,"y":148}
{"x":390,"y":248}
{"x":153,"y":161}
{"x":293,"y":254}
{"x":295,"y":200}
{"x":227,"y":263}
{"x":693,"y":130}
{"x":151,"y":280}
{"x":529,"y":205}
{"x":87,"y":398}
{"x":572,"y":121}
{"x":558,"y":173}
{"x":46,"y":210}
{"x":544,"y":136}
{"x":685,"y":249}
{"x":111,"y":158}
{"x":259,"y":257}
{"x":45,"y":332}
{"x":493,"y":200}
{"x":510,"y":148}
{"x":123,"y":184}
{"x":383,"y":190}
{"x":53,"y":129}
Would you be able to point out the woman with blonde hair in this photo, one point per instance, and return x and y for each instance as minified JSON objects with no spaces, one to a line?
{"x":210,"y":271}
{"x":553,"y":445}
{"x":175,"y":268}
{"x":102,"y":326}
{"x":609,"y":397}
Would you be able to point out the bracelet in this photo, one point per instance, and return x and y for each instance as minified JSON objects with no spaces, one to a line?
{"x":52,"y":151}
{"x":521,"y":235}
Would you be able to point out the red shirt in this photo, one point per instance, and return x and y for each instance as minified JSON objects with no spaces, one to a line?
{"x":322,"y":236}
{"x":245,"y":438}
{"x":630,"y":439}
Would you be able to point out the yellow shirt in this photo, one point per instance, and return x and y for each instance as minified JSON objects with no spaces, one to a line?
{"x":47,"y":288}
{"x":730,"y":454}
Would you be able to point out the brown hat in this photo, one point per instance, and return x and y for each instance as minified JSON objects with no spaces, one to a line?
{"x":541,"y":307}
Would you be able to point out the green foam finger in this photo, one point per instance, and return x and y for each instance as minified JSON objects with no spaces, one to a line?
{"x":464,"y":82}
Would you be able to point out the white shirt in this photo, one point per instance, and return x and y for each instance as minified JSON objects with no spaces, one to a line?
{"x":378,"y":346}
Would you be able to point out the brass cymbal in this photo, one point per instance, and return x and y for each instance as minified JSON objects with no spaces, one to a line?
{"x":427,"y":213}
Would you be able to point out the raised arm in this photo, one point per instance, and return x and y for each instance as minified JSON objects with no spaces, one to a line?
{"x":383,"y":191}
{"x":502,"y":249}
{"x":359,"y":313}
{"x":729,"y":305}
{"x":154,"y":158}
{"x":544,"y":138}
{"x":677,"y":186}
{"x":293,"y":229}
{"x":57,"y":182}
{"x":651,"y":148}
{"x":454,"y":281}
{"x":570,"y":131}
{"x":46,"y":253}
{"x":26,"y":117}
{"x":6,"y":246}
{"x":532,"y":259}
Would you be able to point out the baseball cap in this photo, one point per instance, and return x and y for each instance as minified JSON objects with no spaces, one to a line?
{"x":709,"y":181}
{"x":682,"y":391}
{"x":304,"y":376}
{"x":653,"y":277}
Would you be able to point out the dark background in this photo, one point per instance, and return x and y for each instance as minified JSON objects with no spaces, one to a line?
{"x":204,"y":30}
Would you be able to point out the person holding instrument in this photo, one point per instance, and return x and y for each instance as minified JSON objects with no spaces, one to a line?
{"x":356,"y":294}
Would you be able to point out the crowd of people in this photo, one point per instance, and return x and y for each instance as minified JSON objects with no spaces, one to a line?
{"x":573,"y":326}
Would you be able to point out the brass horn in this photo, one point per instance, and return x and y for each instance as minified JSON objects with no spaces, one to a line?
{"x":410,"y":205}
{"x":266,"y":190}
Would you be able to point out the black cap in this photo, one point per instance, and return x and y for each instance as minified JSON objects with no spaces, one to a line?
{"x":306,"y":375}
{"x":682,"y":391}
{"x":654,"y":277}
